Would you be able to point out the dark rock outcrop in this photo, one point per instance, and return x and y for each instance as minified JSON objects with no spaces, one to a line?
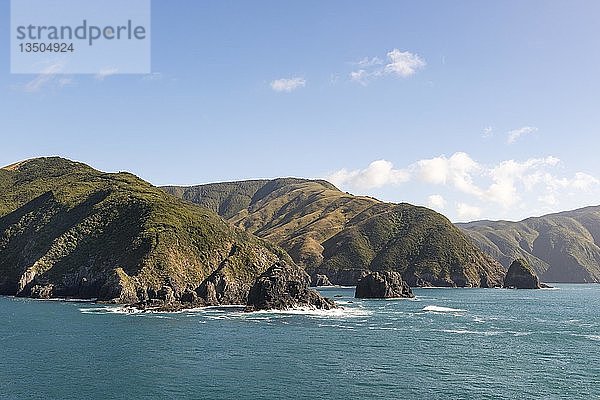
{"x":321,"y":280}
{"x":284,"y":287}
{"x":520,"y":275}
{"x":382,"y":285}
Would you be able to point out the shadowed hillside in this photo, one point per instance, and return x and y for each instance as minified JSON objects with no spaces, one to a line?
{"x":562,"y":247}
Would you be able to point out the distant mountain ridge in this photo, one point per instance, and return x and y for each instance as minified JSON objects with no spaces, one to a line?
{"x":344,"y":236}
{"x":561,"y":247}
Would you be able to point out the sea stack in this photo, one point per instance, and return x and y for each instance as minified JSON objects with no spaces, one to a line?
{"x":284,"y":287}
{"x":520,"y":275}
{"x":382,"y":285}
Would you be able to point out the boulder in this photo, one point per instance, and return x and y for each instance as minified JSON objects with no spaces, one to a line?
{"x":166,"y":294}
{"x":189,"y":296}
{"x":382,"y":285}
{"x":321,"y":280}
{"x":284,"y":287}
{"x":520,"y":275}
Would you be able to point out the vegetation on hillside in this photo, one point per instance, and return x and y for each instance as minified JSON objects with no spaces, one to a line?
{"x":562,"y":247}
{"x":69,"y":230}
{"x":343,"y":236}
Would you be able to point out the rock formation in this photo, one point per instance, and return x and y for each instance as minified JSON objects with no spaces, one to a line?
{"x":285,"y":286}
{"x":520,"y":275}
{"x":382,"y":285}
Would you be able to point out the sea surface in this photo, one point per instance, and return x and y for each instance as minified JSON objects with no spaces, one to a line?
{"x":445,"y":344}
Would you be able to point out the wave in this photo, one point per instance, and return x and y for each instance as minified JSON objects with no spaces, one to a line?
{"x":439,"y":309}
{"x":235,"y":311}
{"x":111,"y":310}
{"x":341,"y":312}
{"x":591,"y":337}
{"x":469,"y":332}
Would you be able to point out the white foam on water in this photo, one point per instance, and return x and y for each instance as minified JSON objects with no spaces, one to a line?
{"x":340,"y":326}
{"x":111,"y":310}
{"x":438,"y":309}
{"x":591,"y":337}
{"x":470,"y":332}
{"x":522,"y":333}
{"x":341,"y":312}
{"x":69,"y":300}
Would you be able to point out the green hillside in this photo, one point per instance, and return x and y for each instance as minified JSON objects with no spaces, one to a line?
{"x":69,"y":230}
{"x":562,"y":247}
{"x":343,"y":236}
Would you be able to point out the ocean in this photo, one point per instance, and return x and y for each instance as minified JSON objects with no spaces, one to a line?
{"x":444,"y":344}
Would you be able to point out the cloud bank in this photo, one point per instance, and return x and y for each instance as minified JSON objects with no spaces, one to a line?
{"x":506,"y":185}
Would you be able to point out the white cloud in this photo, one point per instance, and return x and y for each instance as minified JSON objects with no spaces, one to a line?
{"x":105,"y":73}
{"x":515,"y":134}
{"x":467,"y":211}
{"x":508,"y":174}
{"x":369,"y":62}
{"x":548,"y":199}
{"x":379,"y":173}
{"x":51,"y":76}
{"x":488,"y":131}
{"x":436,"y":201}
{"x":584,"y":181}
{"x":403,"y":63}
{"x":457,"y":171}
{"x":399,"y":63}
{"x":507,"y":186}
{"x":288,"y":85}
{"x":361,"y":76}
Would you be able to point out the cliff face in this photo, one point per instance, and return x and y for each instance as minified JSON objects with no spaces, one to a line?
{"x":562,"y":247}
{"x":67,"y":230}
{"x":344,"y":237}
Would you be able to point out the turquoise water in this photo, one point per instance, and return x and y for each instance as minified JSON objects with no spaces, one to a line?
{"x":447,"y":344}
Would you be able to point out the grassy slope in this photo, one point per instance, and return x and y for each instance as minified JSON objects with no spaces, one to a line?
{"x":342,"y":235}
{"x":562,"y":247}
{"x":94,"y":234}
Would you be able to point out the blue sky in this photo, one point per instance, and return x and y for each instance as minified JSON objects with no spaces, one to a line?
{"x":477,"y":109}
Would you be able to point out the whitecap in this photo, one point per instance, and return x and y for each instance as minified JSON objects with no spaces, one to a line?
{"x":439,"y":309}
{"x":591,"y":337}
{"x":110,"y":310}
{"x":469,"y":332}
{"x":522,"y":333}
{"x":340,"y":312}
